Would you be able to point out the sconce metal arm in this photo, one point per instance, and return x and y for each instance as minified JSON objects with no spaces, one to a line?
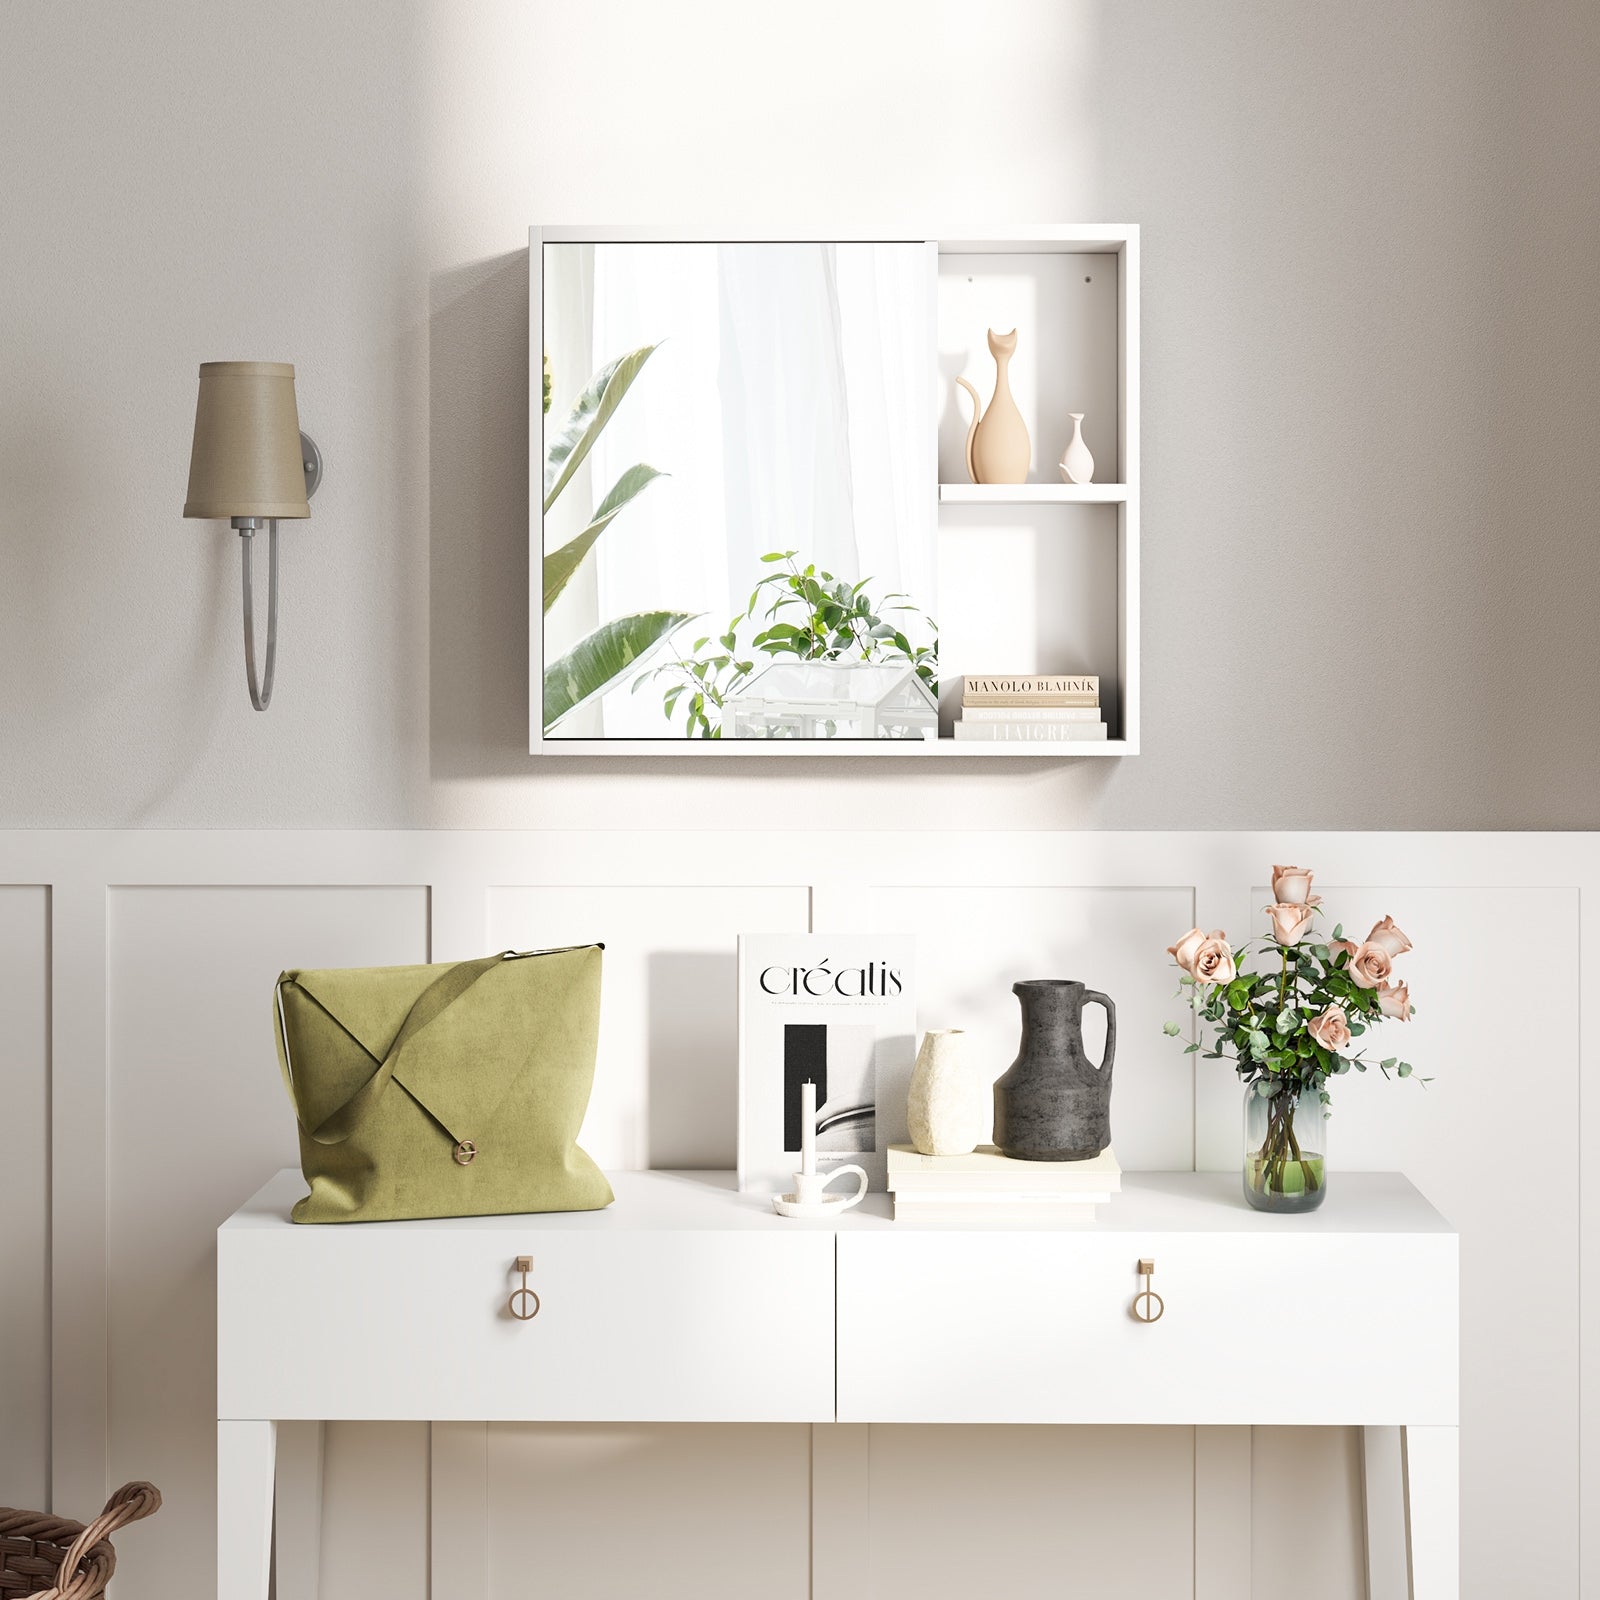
{"x":260,"y":697}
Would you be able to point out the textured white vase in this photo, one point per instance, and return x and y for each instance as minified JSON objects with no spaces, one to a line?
{"x":950,"y":1108}
{"x":1077,"y":465}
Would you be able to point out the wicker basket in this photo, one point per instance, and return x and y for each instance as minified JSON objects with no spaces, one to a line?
{"x":53,"y":1558}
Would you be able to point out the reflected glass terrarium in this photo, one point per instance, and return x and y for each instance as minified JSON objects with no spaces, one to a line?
{"x":833,"y":700}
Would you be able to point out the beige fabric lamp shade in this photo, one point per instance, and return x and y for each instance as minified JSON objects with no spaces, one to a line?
{"x":246,"y":460}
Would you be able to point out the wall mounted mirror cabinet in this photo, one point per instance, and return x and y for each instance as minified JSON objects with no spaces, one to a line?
{"x":768,"y":521}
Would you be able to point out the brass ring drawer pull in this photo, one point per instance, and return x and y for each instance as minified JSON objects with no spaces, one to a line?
{"x":524,"y":1303}
{"x":1147,"y":1304}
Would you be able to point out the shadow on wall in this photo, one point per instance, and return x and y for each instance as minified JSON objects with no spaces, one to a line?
{"x":81,"y":499}
{"x":478,"y":519}
{"x":694,"y":1059}
{"x":1370,"y":332}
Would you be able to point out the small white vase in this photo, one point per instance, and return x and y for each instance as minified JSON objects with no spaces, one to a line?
{"x":1077,"y":465}
{"x":949,"y":1108}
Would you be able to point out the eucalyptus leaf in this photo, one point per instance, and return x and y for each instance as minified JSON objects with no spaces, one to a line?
{"x":595,"y":663}
{"x":559,"y":565}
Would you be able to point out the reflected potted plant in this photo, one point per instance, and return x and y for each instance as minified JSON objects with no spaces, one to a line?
{"x":602,"y":658}
{"x":1288,"y":1031}
{"x":799,"y":614}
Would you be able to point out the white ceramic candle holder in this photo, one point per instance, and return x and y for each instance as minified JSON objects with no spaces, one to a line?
{"x":810,"y":1198}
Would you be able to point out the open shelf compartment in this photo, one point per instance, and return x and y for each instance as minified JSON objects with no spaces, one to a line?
{"x":1042,"y":576}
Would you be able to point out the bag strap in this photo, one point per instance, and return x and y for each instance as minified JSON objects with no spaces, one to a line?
{"x":444,"y":991}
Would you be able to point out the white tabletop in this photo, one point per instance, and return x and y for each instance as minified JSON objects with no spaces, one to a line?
{"x":1150,"y":1202}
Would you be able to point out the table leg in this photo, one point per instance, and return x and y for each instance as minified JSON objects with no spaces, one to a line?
{"x":1383,"y":1487}
{"x":1433,"y":1512}
{"x":297,"y":1510}
{"x":246,"y":1467}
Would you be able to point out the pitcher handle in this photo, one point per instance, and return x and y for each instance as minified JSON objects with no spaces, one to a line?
{"x":1108,"y":1059}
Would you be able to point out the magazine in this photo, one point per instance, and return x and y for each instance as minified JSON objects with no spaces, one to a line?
{"x":834,"y":1010}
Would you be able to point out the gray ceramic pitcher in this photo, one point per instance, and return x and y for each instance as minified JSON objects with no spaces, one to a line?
{"x":1053,"y":1105}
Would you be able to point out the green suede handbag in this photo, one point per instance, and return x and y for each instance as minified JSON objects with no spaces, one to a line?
{"x":443,"y":1091}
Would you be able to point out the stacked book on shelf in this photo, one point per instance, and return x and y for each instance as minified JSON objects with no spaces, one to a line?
{"x":1038,"y":707}
{"x":989,"y":1188}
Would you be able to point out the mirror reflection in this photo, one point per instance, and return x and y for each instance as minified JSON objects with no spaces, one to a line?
{"x":739,"y":491}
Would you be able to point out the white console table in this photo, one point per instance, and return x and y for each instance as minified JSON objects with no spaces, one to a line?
{"x":689,"y":1302}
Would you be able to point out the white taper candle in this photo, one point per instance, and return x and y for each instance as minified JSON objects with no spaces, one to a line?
{"x":808,"y":1128}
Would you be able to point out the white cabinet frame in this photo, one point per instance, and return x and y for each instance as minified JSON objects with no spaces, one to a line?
{"x":1119,"y":240}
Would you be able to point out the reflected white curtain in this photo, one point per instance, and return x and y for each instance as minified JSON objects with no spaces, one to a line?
{"x":791,"y":401}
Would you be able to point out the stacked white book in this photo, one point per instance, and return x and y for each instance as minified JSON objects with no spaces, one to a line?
{"x":987,"y":1187}
{"x":1032,"y":707}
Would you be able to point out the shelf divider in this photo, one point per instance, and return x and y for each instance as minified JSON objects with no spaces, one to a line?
{"x":1032,"y":494}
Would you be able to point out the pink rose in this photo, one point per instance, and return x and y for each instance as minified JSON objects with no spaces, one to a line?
{"x":1206,"y":957}
{"x":1290,"y":923}
{"x":1213,"y":960}
{"x":1370,"y":966}
{"x":1389,"y":938}
{"x":1338,"y":946}
{"x":1183,"y":951}
{"x":1291,"y":886}
{"x":1394,"y":1000}
{"x":1331,"y":1030}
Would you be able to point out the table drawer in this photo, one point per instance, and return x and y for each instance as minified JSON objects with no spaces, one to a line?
{"x":649,"y":1325}
{"x":1037,"y":1327}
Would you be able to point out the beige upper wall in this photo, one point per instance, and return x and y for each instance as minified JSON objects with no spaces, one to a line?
{"x":1371,"y":339}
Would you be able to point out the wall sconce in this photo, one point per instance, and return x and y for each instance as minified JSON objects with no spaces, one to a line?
{"x":252,"y":464}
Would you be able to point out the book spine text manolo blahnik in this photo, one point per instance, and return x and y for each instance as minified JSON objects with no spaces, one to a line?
{"x":1027,"y":687}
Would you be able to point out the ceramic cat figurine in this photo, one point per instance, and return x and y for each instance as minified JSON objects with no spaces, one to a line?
{"x":998,"y":448}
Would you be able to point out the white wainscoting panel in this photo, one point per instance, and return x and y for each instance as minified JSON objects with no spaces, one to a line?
{"x":1031,"y":1513}
{"x":667,"y":1080}
{"x":619,"y":1511}
{"x":1322,"y":1465}
{"x":138,"y":973}
{"x":375,"y":1545}
{"x":197,"y":1111}
{"x":24,"y":1195}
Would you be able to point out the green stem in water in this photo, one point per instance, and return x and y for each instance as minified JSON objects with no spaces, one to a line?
{"x":1305,"y":1166}
{"x":1280,"y":1146}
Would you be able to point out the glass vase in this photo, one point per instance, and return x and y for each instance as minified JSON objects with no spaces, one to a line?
{"x":1285,"y":1150}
